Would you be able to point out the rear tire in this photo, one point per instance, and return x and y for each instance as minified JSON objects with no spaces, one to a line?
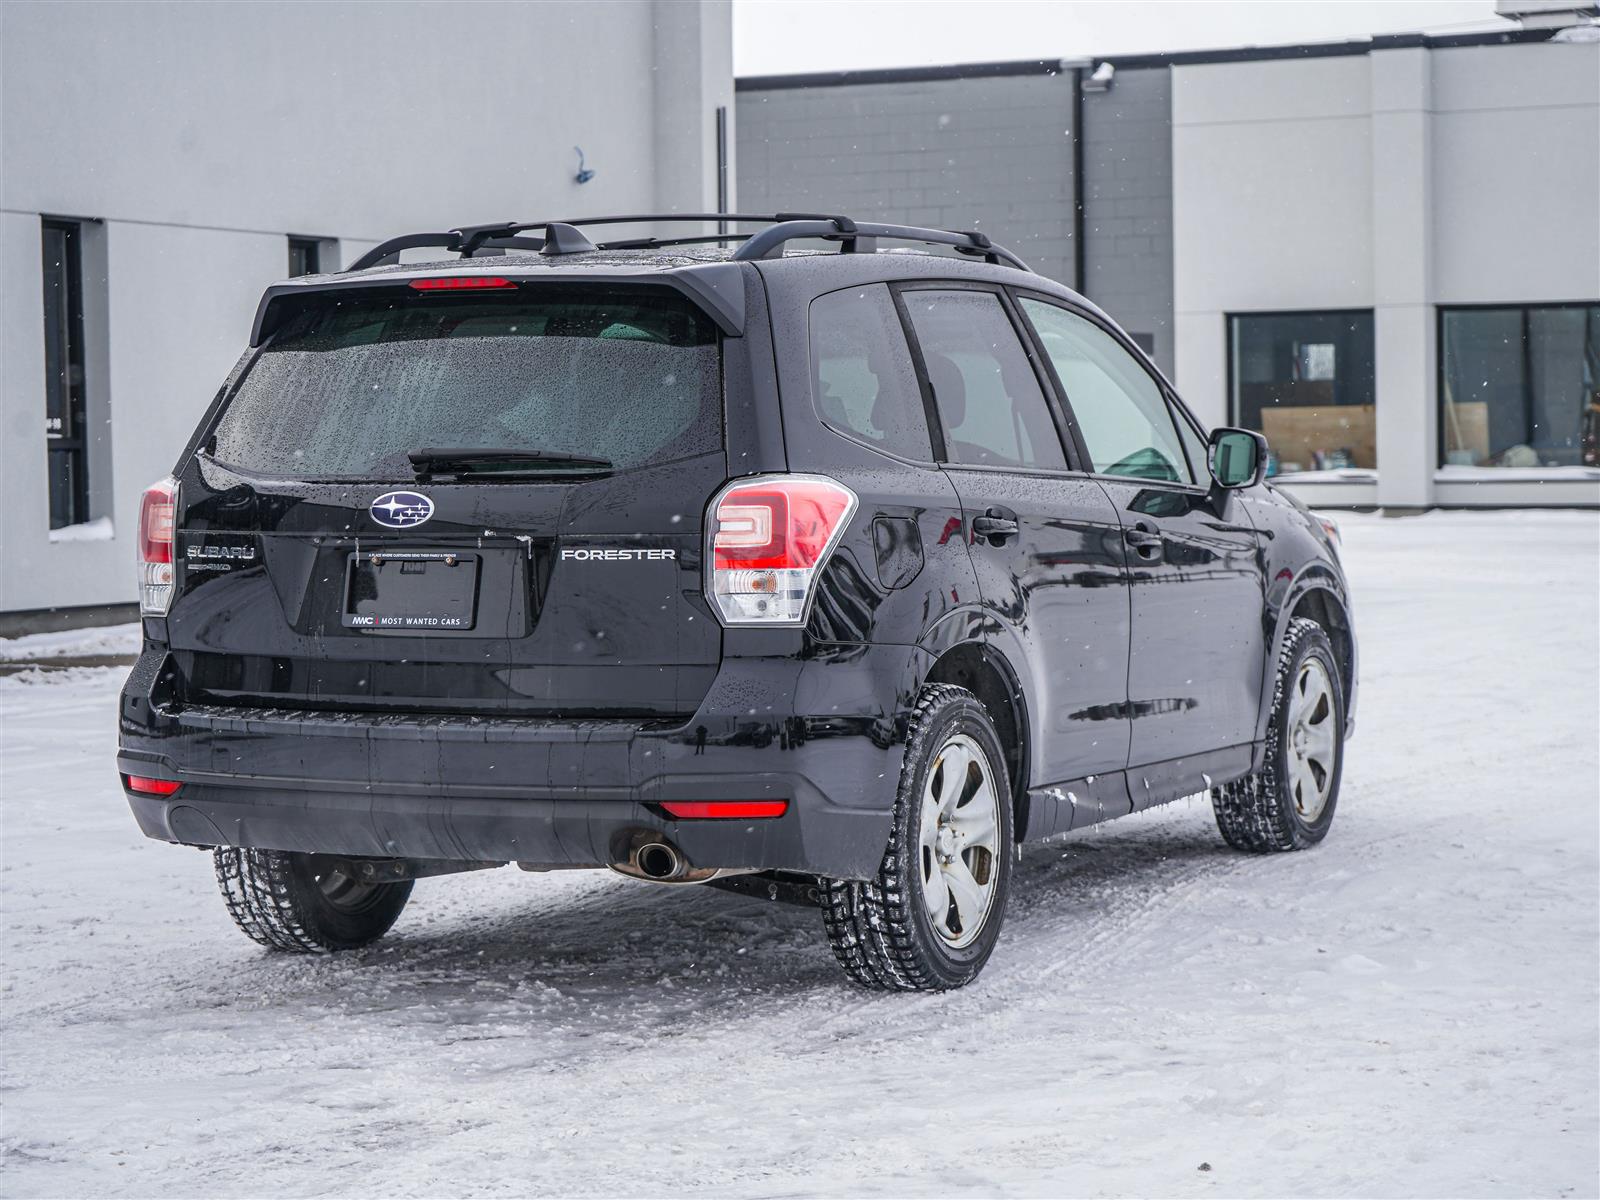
{"x":930,"y":917}
{"x":1289,"y":803}
{"x":300,"y":903}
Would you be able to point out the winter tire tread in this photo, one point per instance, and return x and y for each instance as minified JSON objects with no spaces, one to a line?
{"x":1255,"y":814}
{"x":870,"y":924}
{"x":267,"y":895}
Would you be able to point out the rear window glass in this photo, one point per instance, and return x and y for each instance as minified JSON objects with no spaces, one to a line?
{"x":350,"y":386}
{"x":861,"y":374}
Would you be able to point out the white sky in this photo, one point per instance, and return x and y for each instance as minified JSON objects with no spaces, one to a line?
{"x":779,"y":37}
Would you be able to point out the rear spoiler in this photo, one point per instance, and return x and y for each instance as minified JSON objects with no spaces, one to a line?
{"x":717,"y":289}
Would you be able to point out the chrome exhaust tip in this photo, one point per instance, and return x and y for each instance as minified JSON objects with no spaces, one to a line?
{"x":662,"y":862}
{"x":658,"y":860}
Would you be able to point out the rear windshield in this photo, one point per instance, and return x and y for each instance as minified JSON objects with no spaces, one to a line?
{"x":351,"y":385}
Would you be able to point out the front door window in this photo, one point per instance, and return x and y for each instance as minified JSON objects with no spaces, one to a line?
{"x":1121,"y":414}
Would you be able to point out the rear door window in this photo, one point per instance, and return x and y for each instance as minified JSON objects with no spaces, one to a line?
{"x":1119,"y":409}
{"x":862,"y":379}
{"x":357,"y":380}
{"x":988,"y":398}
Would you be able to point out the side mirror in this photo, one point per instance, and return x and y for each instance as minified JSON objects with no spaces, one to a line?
{"x":1238,"y":457}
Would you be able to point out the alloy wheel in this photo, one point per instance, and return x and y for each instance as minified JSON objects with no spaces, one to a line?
{"x":1313,"y":740}
{"x":959,"y":841}
{"x":341,"y":891}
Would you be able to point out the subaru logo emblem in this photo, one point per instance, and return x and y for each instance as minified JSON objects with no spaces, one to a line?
{"x":401,"y":510}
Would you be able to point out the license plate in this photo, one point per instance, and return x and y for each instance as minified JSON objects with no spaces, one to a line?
{"x":421,"y":590}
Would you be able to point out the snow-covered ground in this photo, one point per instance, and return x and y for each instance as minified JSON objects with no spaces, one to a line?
{"x":72,"y":643}
{"x":1410,"y":1009}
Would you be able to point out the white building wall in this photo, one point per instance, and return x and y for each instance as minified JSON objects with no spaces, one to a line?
{"x":693,"y":78}
{"x":1516,"y":162}
{"x":1403,"y":203}
{"x":1272,"y":184}
{"x":1397,"y":180}
{"x":201,"y":136}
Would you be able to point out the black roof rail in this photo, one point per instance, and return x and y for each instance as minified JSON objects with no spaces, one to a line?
{"x":469,"y":239}
{"x":564,"y":237}
{"x":389,"y":251}
{"x":860,"y":237}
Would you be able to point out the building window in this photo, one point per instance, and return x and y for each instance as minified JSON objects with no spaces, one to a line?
{"x":305,"y":256}
{"x":65,"y":424}
{"x":1520,"y":387}
{"x":1305,"y":380}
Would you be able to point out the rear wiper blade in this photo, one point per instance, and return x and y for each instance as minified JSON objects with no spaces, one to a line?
{"x":466,"y":459}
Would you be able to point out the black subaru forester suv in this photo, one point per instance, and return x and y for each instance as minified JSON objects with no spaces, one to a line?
{"x":829,"y":574}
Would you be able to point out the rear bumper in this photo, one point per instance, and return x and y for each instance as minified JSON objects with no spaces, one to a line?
{"x":824,"y":733}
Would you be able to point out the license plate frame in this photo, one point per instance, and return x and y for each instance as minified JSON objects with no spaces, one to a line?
{"x":411,"y":591}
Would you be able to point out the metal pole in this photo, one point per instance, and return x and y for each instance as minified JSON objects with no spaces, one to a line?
{"x":722,"y":165}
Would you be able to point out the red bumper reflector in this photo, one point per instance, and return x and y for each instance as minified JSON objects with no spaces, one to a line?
{"x":726,"y":809}
{"x":451,"y":283}
{"x":151,"y":787}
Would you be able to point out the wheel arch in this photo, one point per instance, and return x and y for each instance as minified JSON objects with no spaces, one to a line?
{"x":1320,"y":597}
{"x":986,"y":673}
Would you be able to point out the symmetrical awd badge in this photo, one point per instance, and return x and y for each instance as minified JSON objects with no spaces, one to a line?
{"x":401,"y":510}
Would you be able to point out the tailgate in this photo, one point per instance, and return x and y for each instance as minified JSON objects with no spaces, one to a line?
{"x":321,"y":564}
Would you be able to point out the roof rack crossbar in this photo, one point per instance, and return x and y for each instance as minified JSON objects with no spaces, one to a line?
{"x":389,"y":251}
{"x":469,"y":239}
{"x":472,"y":235}
{"x":652,"y":243}
{"x":563,"y":237}
{"x":858,"y":237}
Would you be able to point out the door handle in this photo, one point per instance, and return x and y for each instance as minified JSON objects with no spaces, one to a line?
{"x":995,"y":526}
{"x":1145,"y":540}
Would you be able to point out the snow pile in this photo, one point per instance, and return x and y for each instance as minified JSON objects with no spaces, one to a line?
{"x":1409,"y":1009}
{"x":98,"y":530}
{"x":72,"y":643}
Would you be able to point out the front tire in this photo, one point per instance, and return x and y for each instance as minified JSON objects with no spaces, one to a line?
{"x":1289,"y":803}
{"x":302,"y":903}
{"x":929,"y":919}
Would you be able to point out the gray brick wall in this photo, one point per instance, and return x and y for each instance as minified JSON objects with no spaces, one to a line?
{"x":1127,"y":194}
{"x":992,"y":154}
{"x":987,"y":153}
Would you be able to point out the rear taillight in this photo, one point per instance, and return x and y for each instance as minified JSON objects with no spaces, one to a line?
{"x":150,"y":787}
{"x":157,"y":514}
{"x":769,"y":535}
{"x":725,"y":810}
